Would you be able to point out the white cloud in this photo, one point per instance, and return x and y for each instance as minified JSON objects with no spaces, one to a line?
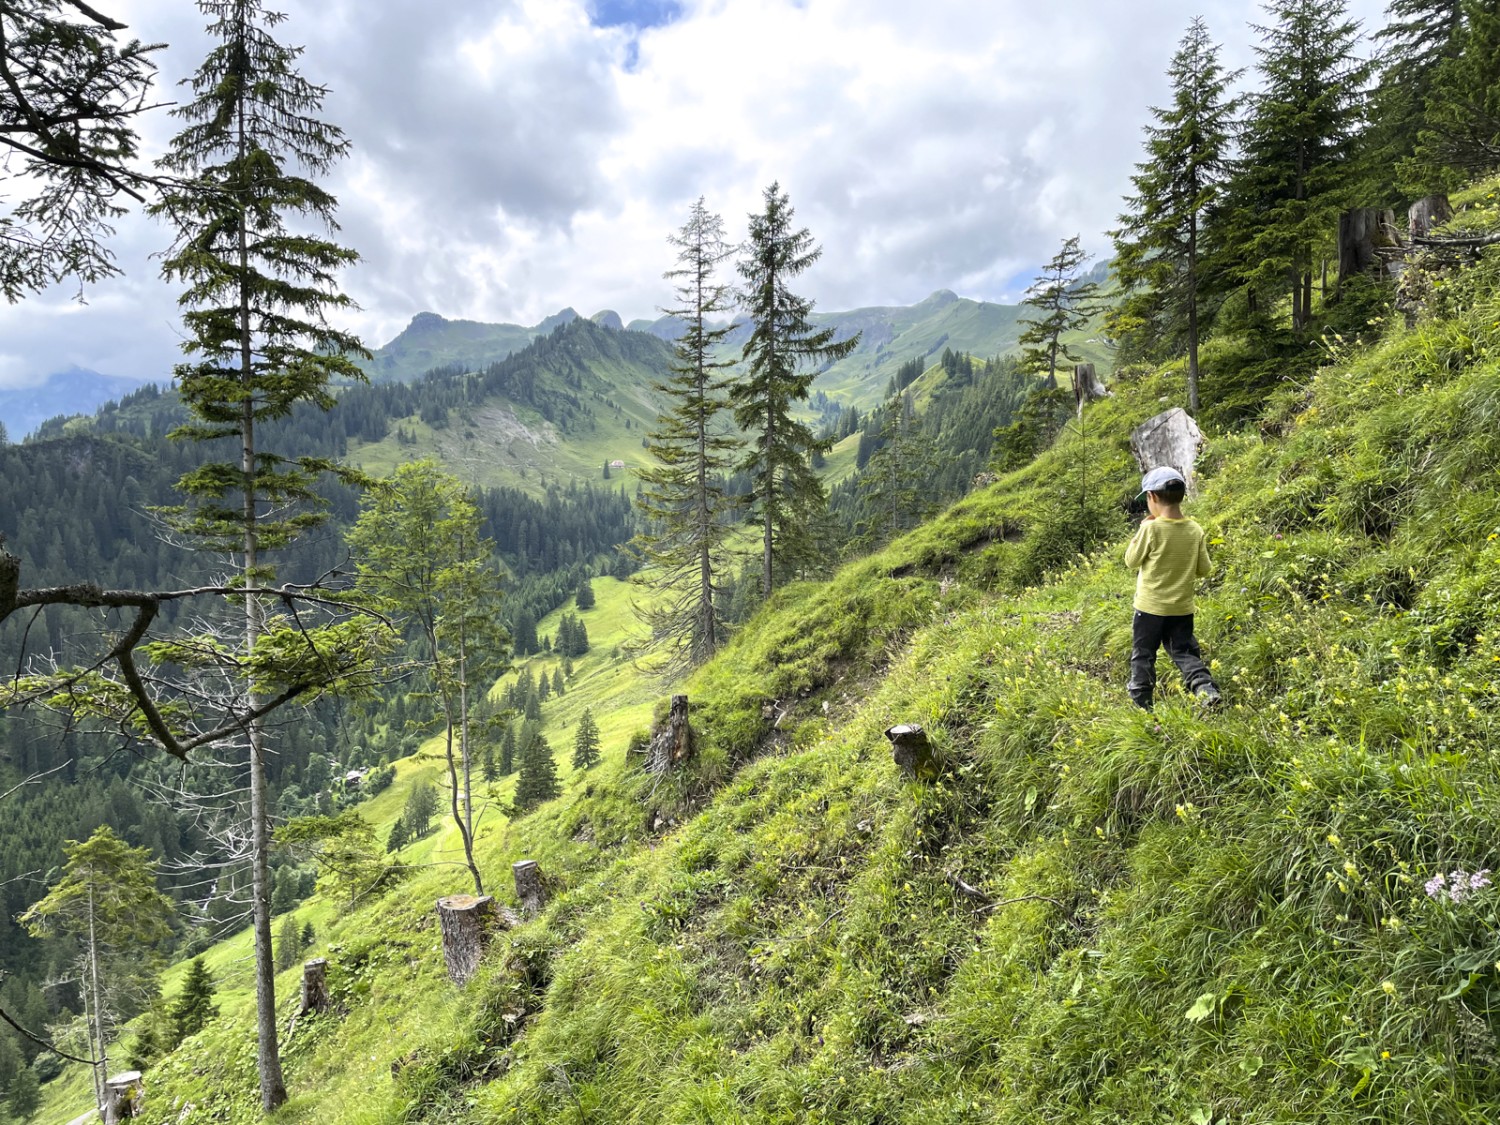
{"x":513,"y":158}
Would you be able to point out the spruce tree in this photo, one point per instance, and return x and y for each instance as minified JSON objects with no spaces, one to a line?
{"x":398,"y":837}
{"x":896,"y":487}
{"x":194,"y":1005}
{"x":585,"y":596}
{"x":557,"y":683}
{"x":586,"y":742}
{"x":421,"y":803}
{"x":1418,"y":38}
{"x":1297,"y":162}
{"x":684,"y":499}
{"x":1460,"y":138}
{"x":1159,"y":248}
{"x":782,"y":354}
{"x":508,"y":750}
{"x":287,"y":946}
{"x":538,"y":779}
{"x":1063,"y":304}
{"x":256,"y":301}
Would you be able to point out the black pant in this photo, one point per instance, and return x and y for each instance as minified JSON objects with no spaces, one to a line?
{"x":1150,"y":632}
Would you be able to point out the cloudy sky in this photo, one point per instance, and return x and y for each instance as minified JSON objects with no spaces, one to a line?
{"x":512,"y":157}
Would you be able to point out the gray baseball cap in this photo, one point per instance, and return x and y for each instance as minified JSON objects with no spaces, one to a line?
{"x":1159,"y":478}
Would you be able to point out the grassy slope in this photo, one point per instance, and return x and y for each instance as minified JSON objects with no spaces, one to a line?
{"x":1188,"y":918}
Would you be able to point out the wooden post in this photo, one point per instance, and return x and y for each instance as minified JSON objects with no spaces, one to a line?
{"x":1363,"y":232}
{"x":315,"y":997}
{"x":467,"y":922}
{"x":1427,"y":213}
{"x":531,"y":886}
{"x":1086,"y":386}
{"x":124,"y":1095}
{"x":1170,"y":438}
{"x":912,"y":752}
{"x":672,"y":743}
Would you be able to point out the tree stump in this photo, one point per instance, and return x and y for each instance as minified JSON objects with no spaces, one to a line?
{"x":912,"y":752}
{"x":124,"y":1094}
{"x":1364,"y":233}
{"x":1427,"y":213}
{"x":672,"y":742}
{"x":1086,"y":386}
{"x":315,"y":997}
{"x":468,"y":922}
{"x":531,"y":886}
{"x":1171,"y":438}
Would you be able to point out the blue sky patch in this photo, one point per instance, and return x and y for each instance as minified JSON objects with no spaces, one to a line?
{"x":637,"y":14}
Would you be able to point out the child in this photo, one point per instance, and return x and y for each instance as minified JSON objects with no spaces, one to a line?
{"x":1171,"y":556}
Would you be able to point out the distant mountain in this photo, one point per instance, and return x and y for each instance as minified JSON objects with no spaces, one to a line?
{"x":75,"y":391}
{"x":431,"y":341}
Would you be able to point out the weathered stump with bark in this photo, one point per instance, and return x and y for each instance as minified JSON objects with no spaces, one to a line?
{"x":911,"y":751}
{"x":1427,"y":214}
{"x":1086,"y":386}
{"x":672,"y":743}
{"x":468,"y":922}
{"x":531,"y":886}
{"x":1367,"y":235}
{"x":315,"y":996}
{"x":1170,"y":438}
{"x":124,"y":1094}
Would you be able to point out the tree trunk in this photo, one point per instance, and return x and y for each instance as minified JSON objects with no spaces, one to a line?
{"x":1426,"y":214}
{"x":1086,"y":386}
{"x":911,"y":751}
{"x":1363,"y":232}
{"x":468,"y":922}
{"x":315,"y":997}
{"x":124,"y":1094}
{"x":672,"y":743}
{"x":96,"y":1022}
{"x":531,"y":886}
{"x":1171,"y":438}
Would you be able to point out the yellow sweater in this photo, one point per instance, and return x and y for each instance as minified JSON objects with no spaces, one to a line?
{"x":1171,"y":556}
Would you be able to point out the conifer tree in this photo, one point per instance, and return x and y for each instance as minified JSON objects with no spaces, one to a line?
{"x":538,"y":779}
{"x":786,"y":493}
{"x":683,"y":497}
{"x":194,"y":1005}
{"x":256,"y":301}
{"x":287,"y":941}
{"x":557,"y":683}
{"x":1460,"y":138}
{"x":896,"y":486}
{"x":508,"y":750}
{"x":1063,"y":303}
{"x":586,"y":742}
{"x":1297,"y":162}
{"x":487,"y":767}
{"x":107,"y":899}
{"x":421,"y":803}
{"x":398,"y":837}
{"x":1418,"y":37}
{"x":1159,"y":248}
{"x":585,"y":596}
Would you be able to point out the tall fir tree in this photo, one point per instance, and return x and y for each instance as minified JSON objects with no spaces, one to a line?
{"x":538,"y":778}
{"x":1460,"y":137}
{"x":107,"y":900}
{"x":781,"y":354}
{"x":1063,"y":303}
{"x":508,"y":750}
{"x":1418,"y":37}
{"x":586,"y":742}
{"x":194,"y":1005}
{"x":1298,"y":159}
{"x":257,"y":295}
{"x":684,"y":499}
{"x":1159,"y":249}
{"x":895,"y":487}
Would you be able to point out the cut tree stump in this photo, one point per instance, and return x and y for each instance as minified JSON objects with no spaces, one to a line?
{"x":468,"y":922}
{"x":315,"y":997}
{"x":531,"y":886}
{"x":672,"y":743}
{"x":1171,"y":438}
{"x":1426,"y":214}
{"x":1367,"y":235}
{"x":1086,"y":386}
{"x":124,"y":1095}
{"x":911,"y":750}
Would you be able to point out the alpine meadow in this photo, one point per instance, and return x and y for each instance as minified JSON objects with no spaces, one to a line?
{"x":739,"y":713}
